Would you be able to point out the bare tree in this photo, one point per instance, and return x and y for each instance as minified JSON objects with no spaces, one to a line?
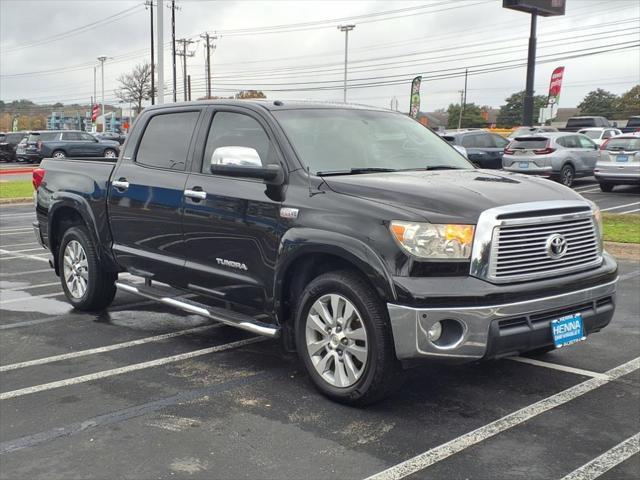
{"x":135,"y":87}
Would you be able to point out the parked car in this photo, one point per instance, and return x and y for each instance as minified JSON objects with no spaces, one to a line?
{"x":599,"y":135}
{"x":66,"y":143}
{"x":8,"y":144}
{"x":560,"y":156}
{"x":577,"y":123}
{"x":618,"y":162}
{"x":522,"y":131}
{"x":356,"y":235}
{"x":483,"y":148}
{"x":116,"y":137}
{"x":633,"y":125}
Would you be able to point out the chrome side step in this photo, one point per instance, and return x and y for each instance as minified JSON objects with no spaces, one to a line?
{"x":168,"y":297}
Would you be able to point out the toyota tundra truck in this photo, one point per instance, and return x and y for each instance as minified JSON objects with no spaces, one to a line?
{"x":360,"y":238}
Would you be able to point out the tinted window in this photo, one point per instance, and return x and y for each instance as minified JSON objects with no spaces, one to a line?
{"x":471,"y":141}
{"x":14,"y":137}
{"x":585,"y":143}
{"x":43,"y":136}
{"x":627,"y":144}
{"x":608,"y":134}
{"x":235,"y":130}
{"x":499,"y":141}
{"x":533,"y":143}
{"x":634,"y":122}
{"x":86,"y":137}
{"x":165,"y":142}
{"x":581,"y":122}
{"x":71,"y":136}
{"x":595,"y":134}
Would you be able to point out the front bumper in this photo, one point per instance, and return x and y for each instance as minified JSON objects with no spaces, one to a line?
{"x":498,"y":330}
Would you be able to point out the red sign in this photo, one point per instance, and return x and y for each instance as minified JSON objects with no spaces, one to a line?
{"x":95,"y":112}
{"x":555,"y":85}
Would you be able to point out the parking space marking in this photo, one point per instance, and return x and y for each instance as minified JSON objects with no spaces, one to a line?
{"x":28,"y":272}
{"x":23,"y":244}
{"x":129,"y":368}
{"x":30,"y":297}
{"x":25,"y":256}
{"x":26,"y":214}
{"x":30,"y":287}
{"x":12,"y":230}
{"x":439,"y":453}
{"x":107,"y":348}
{"x":562,"y":368}
{"x":620,"y":206}
{"x":632,"y":211}
{"x":27,"y":250}
{"x":605,"y":462}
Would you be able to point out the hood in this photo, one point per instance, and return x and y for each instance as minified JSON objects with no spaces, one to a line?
{"x":455,"y":196}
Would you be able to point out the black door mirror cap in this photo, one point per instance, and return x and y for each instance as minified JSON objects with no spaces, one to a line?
{"x":271,"y":174}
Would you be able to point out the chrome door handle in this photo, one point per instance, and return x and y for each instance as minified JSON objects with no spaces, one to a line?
{"x":120,"y":184}
{"x":195,"y":194}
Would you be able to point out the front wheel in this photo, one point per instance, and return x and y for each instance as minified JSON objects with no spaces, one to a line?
{"x":567,"y":175}
{"x":58,"y":154}
{"x":606,"y":187}
{"x":110,"y":153}
{"x":86,"y":283}
{"x":344,"y":338}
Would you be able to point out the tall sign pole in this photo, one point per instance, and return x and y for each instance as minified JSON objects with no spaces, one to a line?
{"x":153,"y":58}
{"x":346,"y":29}
{"x":160,"y":43}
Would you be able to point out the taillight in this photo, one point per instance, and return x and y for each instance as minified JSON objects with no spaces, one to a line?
{"x":544,"y":151}
{"x":39,"y":145}
{"x":604,"y":144}
{"x":508,"y":151}
{"x":37,"y":177}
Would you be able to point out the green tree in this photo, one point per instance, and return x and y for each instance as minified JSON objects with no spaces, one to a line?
{"x":629,"y":103}
{"x":471,"y":117}
{"x":511,"y":112}
{"x":599,"y":102}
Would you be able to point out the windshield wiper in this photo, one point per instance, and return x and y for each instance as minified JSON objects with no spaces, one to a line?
{"x":355,"y":171}
{"x":444,"y":167}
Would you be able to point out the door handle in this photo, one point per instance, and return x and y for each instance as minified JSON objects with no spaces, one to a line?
{"x":196,"y":194}
{"x":121,"y":184}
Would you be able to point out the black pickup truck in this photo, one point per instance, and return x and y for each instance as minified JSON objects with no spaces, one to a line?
{"x":359,"y":237}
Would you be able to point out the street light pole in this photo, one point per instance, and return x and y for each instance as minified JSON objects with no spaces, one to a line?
{"x":527,"y":117}
{"x":346,"y":29}
{"x":102,"y":59}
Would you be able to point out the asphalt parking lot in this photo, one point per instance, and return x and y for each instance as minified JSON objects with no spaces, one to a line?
{"x":140,"y":391}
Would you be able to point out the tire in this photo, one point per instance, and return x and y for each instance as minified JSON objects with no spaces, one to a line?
{"x":606,"y":187}
{"x":87,"y":285}
{"x":349,"y":376}
{"x":58,"y":154}
{"x":110,"y":153}
{"x":567,"y":175}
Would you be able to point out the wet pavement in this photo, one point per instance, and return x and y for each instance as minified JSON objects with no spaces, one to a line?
{"x":143,"y":391}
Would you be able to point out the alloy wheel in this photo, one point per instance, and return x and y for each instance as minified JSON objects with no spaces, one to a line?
{"x":75,"y":269}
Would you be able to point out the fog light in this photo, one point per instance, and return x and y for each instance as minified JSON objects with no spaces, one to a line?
{"x":434,"y":332}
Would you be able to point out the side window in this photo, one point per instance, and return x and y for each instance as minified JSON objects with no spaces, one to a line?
{"x":71,"y":136}
{"x":49,"y":136}
{"x":499,"y":141}
{"x":585,"y":143}
{"x":561,"y":141}
{"x":165,"y":141}
{"x":470,"y":141}
{"x":235,"y":130}
{"x":85,"y":137}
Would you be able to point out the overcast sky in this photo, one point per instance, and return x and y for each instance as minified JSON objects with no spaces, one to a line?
{"x":49,"y":47}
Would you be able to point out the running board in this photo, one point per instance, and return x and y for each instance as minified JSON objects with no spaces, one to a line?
{"x":168,"y":297}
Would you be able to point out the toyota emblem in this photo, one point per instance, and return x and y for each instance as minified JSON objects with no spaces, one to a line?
{"x":556,"y":246}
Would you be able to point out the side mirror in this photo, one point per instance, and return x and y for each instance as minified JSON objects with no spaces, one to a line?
{"x":596,"y":147}
{"x":243,"y":162}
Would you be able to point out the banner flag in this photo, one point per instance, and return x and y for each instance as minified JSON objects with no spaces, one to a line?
{"x":555,"y":85}
{"x":414,"y":106}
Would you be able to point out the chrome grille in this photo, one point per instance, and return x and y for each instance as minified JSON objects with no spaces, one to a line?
{"x":519,"y":247}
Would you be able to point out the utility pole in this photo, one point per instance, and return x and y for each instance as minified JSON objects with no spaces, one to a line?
{"x":346,"y":29}
{"x":464,"y":102}
{"x":102,"y":59}
{"x":173,"y":47}
{"x":153,"y":80}
{"x":160,"y":42}
{"x":185,"y":43}
{"x":209,"y":45}
{"x":189,"y":86}
{"x":460,"y":115}
{"x":95,"y":95}
{"x":527,"y":117}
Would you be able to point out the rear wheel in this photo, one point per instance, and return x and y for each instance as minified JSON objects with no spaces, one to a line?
{"x":606,"y":187}
{"x":58,"y":154}
{"x":85,"y":281}
{"x":344,"y":338}
{"x":110,"y":153}
{"x":567,"y":175}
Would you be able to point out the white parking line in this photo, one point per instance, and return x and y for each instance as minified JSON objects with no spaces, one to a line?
{"x":11,"y":230}
{"x":583,"y":187}
{"x":108,"y":348}
{"x":439,"y":453}
{"x":562,"y":368}
{"x":30,"y":287}
{"x":29,"y":214}
{"x":29,"y":297}
{"x":30,"y":257}
{"x":589,"y":191}
{"x":605,"y":462}
{"x":632,"y":211}
{"x":27,"y":250}
{"x":129,"y":368}
{"x":22,"y":244}
{"x":28,"y":272}
{"x":22,"y":232}
{"x":620,"y":206}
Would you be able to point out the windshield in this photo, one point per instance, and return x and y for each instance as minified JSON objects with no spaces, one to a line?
{"x":339,"y":140}
{"x":593,"y":134}
{"x":626,"y":144}
{"x":580,"y":122}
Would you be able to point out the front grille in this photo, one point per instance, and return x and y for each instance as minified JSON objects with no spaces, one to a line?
{"x":520,"y":252}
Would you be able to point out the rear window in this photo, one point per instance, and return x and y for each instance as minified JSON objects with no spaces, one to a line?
{"x":533,"y":143}
{"x":165,"y":142}
{"x":2,"y":137}
{"x":634,"y":122}
{"x":449,"y":138}
{"x":627,"y":144}
{"x":594,"y":134}
{"x":581,"y":122}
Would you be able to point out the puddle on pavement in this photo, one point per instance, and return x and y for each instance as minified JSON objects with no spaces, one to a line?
{"x":151,"y":320}
{"x":20,"y":301}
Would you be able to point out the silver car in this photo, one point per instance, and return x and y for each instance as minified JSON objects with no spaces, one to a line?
{"x":562,"y":156}
{"x":618,"y":162}
{"x":600,"y":134}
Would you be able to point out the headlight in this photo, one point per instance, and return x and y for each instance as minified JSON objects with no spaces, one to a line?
{"x":597,"y":218}
{"x":429,"y":240}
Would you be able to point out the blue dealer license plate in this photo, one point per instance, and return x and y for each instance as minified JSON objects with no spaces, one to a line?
{"x":567,"y":330}
{"x":523,"y":164}
{"x":622,"y":158}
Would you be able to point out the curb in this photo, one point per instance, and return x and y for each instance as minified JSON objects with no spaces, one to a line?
{"x":15,"y":171}
{"x":623,"y":251}
{"x":16,"y":201}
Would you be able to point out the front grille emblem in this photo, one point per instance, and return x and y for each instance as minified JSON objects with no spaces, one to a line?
{"x":556,"y":246}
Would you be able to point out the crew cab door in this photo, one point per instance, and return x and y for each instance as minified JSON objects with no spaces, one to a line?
{"x":146,"y":195}
{"x":72,"y":144}
{"x":231,"y":224}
